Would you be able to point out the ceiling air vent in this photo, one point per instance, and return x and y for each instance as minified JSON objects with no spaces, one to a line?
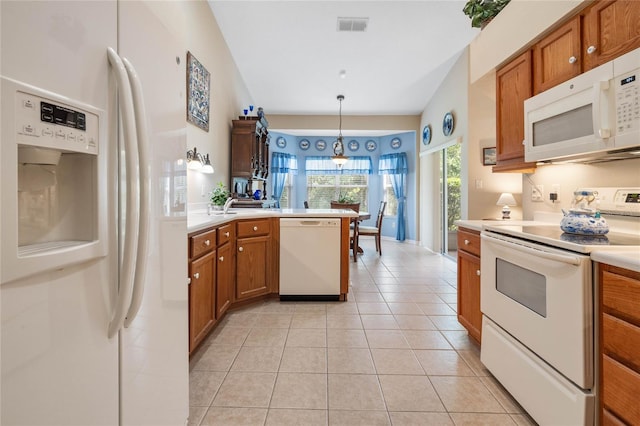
{"x":353,"y":24}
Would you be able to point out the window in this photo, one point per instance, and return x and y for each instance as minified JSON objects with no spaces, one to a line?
{"x":389,"y":196}
{"x":327,"y":182}
{"x":286,"y":201}
{"x":322,"y":189}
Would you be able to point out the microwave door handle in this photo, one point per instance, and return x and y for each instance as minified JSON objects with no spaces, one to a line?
{"x":145,"y":192}
{"x":572,"y":260}
{"x":127,"y":270}
{"x":601,"y":128}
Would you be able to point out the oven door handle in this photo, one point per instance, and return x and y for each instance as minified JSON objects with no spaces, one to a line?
{"x":514,"y":245}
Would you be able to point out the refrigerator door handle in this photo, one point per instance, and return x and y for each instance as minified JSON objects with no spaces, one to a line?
{"x":127,"y":270}
{"x":145,"y":191}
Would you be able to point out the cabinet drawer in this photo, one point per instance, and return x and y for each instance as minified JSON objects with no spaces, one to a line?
{"x":621,"y":341}
{"x":202,"y":243}
{"x":620,"y":390}
{"x":225,"y":234}
{"x":254,"y":228}
{"x":469,"y":241}
{"x":621,"y":295}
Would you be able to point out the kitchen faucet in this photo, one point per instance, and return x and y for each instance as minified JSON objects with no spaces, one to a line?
{"x":227,"y":204}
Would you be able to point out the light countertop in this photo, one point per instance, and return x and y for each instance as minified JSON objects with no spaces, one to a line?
{"x":199,"y":219}
{"x":478,"y":225}
{"x":628,"y":258}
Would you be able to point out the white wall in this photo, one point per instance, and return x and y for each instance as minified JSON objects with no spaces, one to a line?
{"x":229,"y":96}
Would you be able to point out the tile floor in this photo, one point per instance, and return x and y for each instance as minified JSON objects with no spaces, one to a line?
{"x":393,"y":354}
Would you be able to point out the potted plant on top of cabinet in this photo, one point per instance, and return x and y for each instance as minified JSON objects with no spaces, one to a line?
{"x":482,"y":12}
{"x":219,"y":196}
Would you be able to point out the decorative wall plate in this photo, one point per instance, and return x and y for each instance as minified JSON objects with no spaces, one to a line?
{"x":321,"y":145}
{"x":354,"y":145}
{"x":426,"y":134}
{"x":304,"y":144}
{"x":448,"y":124}
{"x":395,"y":143}
{"x":371,"y":145}
{"x":281,"y":142}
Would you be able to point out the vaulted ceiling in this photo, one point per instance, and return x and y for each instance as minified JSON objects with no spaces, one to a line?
{"x":291,"y":54}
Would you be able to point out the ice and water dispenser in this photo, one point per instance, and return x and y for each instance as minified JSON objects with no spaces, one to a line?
{"x":53,"y":182}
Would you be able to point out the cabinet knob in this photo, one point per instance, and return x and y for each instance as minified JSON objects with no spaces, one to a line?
{"x":221,"y":258}
{"x":572,"y":60}
{"x":240,"y":249}
{"x":478,"y":272}
{"x":255,"y":228}
{"x":196,"y":275}
{"x":226,"y":234}
{"x":591,"y":49}
{"x":466,"y":242}
{"x":207,"y":243}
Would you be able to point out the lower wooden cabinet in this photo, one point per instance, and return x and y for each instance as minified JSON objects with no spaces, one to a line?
{"x":224,"y":278}
{"x":469,"y":314}
{"x":619,"y":355}
{"x":202,"y":298}
{"x":253,"y":261}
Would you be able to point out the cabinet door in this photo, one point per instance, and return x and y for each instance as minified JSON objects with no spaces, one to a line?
{"x":611,"y":28}
{"x":224,"y":278}
{"x":513,"y":86}
{"x":252,"y":266}
{"x":469,"y":314}
{"x":243,"y":148}
{"x":202,"y":307}
{"x":556,"y":58}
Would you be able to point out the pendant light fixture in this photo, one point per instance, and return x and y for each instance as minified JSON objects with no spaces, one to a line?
{"x":338,"y":146}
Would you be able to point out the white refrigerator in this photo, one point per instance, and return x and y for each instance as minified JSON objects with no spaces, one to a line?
{"x":93,"y":245}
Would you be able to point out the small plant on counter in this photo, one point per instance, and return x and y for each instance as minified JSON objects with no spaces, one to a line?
{"x":219,"y":195}
{"x":483,"y":11}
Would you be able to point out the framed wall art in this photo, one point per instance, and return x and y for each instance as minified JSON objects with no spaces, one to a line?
{"x":489,"y":156}
{"x":198,"y":86}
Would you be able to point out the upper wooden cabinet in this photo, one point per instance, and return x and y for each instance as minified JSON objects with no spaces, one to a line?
{"x":513,"y":86}
{"x":611,"y":28}
{"x":556,"y":58}
{"x":249,"y":154}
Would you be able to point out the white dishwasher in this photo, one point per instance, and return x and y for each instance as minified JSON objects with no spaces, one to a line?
{"x":309,"y":259}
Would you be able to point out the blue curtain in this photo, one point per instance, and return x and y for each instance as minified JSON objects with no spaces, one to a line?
{"x":281,"y":164}
{"x":357,"y":165}
{"x":396,"y":165}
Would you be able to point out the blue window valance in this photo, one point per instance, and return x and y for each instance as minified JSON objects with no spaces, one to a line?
{"x":322,"y":165}
{"x":281,"y":162}
{"x":393,"y":164}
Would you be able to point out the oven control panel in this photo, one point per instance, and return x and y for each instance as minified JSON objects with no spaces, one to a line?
{"x":618,"y":201}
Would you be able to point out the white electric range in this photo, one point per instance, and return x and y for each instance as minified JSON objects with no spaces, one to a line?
{"x":537,"y":300}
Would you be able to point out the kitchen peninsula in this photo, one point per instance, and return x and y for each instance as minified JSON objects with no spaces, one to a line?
{"x":234,"y":260}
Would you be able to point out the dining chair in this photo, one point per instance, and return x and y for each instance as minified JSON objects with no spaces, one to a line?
{"x":353,"y":232}
{"x":306,"y":204}
{"x":374,"y":231}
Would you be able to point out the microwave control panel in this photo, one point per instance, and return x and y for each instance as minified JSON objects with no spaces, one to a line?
{"x":628,"y":102}
{"x":46,"y":123}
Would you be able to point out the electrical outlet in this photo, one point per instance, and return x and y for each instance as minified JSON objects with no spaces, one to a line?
{"x":536,"y":193}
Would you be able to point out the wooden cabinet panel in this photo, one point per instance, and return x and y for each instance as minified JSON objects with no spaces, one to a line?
{"x":252,"y":228}
{"x":469,"y":314}
{"x":621,"y":296}
{"x":556,"y":58}
{"x":226,"y":233}
{"x":253,"y":263}
{"x":620,"y":390}
{"x":202,"y":243}
{"x":621,"y":341}
{"x":243,"y":139}
{"x":202,"y":308}
{"x":611,"y":28}
{"x":619,"y":353}
{"x":224,"y":278}
{"x":609,"y":419}
{"x":469,"y":241}
{"x":513,"y":86}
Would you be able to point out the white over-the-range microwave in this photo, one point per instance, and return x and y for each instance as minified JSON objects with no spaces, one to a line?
{"x":592,"y":117}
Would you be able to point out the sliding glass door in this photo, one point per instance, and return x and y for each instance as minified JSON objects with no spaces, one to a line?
{"x":449,"y":197}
